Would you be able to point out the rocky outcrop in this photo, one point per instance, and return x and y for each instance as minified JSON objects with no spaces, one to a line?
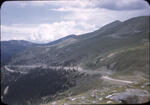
{"x":132,"y":96}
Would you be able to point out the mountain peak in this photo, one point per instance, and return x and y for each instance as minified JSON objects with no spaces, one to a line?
{"x":109,"y":26}
{"x":62,"y":39}
{"x":117,"y":21}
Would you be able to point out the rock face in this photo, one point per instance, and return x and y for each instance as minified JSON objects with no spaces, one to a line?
{"x":132,"y":96}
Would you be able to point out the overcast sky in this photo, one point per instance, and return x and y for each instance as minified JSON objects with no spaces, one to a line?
{"x":44,"y":21}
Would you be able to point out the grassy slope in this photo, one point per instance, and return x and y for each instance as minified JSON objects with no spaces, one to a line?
{"x":86,"y":48}
{"x":130,"y":57}
{"x":132,"y":65}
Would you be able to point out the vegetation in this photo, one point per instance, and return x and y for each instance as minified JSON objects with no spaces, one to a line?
{"x":36,"y":84}
{"x":119,"y":50}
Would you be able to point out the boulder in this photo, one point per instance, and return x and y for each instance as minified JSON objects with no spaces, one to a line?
{"x":132,"y":96}
{"x":147,"y":84}
{"x":108,"y":102}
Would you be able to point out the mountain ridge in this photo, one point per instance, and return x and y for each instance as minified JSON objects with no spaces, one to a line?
{"x":80,"y":44}
{"x":86,"y":69}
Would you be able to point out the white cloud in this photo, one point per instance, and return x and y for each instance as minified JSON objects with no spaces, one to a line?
{"x":78,"y":17}
{"x":44,"y":32}
{"x":99,"y":12}
{"x":57,"y":3}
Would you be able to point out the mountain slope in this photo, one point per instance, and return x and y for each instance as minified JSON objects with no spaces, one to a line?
{"x":61,"y":39}
{"x":89,"y":47}
{"x":11,"y":48}
{"x":118,"y":51}
{"x":100,"y":31}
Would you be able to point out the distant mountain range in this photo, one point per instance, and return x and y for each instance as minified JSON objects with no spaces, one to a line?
{"x":12,"y":47}
{"x":74,"y":49}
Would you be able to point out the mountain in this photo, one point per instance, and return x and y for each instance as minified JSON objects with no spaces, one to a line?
{"x":84,"y":69}
{"x":61,"y":39}
{"x":83,"y":48}
{"x":100,"y":31}
{"x":11,"y":48}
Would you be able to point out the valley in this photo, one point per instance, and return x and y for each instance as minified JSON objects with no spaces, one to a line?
{"x":107,"y":66}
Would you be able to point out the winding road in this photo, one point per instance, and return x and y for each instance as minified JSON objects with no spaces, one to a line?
{"x":116,"y":80}
{"x":66,"y":68}
{"x":10,"y":70}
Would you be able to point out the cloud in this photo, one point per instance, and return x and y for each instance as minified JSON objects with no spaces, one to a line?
{"x":70,"y":17}
{"x":27,"y":3}
{"x":122,"y":4}
{"x":107,"y":4}
{"x":57,"y":3}
{"x":44,"y":32}
{"x":98,"y":16}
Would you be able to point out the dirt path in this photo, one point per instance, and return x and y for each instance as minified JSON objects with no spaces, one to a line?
{"x":6,"y":90}
{"x":116,"y":80}
{"x":10,"y":70}
{"x":78,"y":68}
{"x":28,"y":67}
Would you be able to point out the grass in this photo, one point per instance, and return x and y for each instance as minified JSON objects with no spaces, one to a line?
{"x":131,"y":65}
{"x":105,"y":90}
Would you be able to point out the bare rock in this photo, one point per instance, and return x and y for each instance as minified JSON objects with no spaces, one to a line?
{"x":109,"y":102}
{"x":132,"y":96}
{"x":147,"y":84}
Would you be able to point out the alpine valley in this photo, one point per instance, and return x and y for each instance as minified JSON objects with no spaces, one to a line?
{"x":107,"y":66}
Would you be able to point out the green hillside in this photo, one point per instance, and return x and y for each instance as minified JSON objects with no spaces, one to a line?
{"x":109,"y":65}
{"x":83,"y":49}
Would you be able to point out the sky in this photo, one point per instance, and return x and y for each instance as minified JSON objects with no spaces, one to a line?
{"x":46,"y":21}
